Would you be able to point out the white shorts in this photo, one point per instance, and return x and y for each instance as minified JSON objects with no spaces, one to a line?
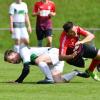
{"x":53,"y":53}
{"x":58,"y":67}
{"x":20,"y":33}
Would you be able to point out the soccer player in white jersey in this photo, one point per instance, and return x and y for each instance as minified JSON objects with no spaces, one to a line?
{"x":46,"y":58}
{"x":18,"y":19}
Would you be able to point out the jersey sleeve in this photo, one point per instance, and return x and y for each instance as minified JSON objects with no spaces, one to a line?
{"x":11,"y":10}
{"x":53,"y":9}
{"x":81,"y":31}
{"x":26,"y":8}
{"x":35,"y":8}
{"x":25,"y":54}
{"x":63,"y":45}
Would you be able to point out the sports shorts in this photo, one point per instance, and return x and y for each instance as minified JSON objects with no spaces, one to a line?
{"x":58,"y":65}
{"x":87,"y":51}
{"x":41,"y":34}
{"x":20,"y":33}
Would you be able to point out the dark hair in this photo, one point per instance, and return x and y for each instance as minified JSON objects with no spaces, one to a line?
{"x":67,"y":26}
{"x":7,"y":53}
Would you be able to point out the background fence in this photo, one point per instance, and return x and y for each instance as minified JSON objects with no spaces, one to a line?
{"x":59,"y":29}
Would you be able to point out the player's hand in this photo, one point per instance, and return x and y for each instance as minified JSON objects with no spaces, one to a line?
{"x":13,"y":82}
{"x":78,"y":43}
{"x":29,"y":29}
{"x":12,"y":30}
{"x":52,"y":14}
{"x":74,"y":54}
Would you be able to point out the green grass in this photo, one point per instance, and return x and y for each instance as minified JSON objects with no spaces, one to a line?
{"x":78,"y":88}
{"x":85,"y":13}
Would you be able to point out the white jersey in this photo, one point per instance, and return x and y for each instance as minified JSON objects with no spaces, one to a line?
{"x":18,"y":11}
{"x":26,"y":53}
{"x":53,"y":53}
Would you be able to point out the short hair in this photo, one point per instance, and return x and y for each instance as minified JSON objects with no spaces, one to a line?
{"x":67,"y":26}
{"x":7,"y":53}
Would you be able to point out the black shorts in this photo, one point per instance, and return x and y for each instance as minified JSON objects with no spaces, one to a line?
{"x":41,"y":34}
{"x":87,"y":51}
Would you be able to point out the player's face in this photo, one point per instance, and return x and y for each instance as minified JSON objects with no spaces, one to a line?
{"x":72,"y":32}
{"x":13,"y":58}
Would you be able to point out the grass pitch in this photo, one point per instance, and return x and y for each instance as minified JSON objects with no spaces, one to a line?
{"x":85,"y":13}
{"x":77,"y":89}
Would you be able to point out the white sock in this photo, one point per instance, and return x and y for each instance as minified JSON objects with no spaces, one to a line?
{"x":45,"y":69}
{"x":69,"y":76}
{"x":17,"y":48}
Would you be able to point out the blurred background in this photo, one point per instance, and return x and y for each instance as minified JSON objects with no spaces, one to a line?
{"x":85,"y":13}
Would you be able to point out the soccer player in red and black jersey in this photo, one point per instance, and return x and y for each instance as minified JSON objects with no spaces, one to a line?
{"x":44,"y":10}
{"x":72,"y":49}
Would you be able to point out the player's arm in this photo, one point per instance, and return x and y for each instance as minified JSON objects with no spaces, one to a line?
{"x":25,"y":72}
{"x":11,"y":23}
{"x":52,"y":14}
{"x":63,"y":49}
{"x":35,"y":10}
{"x":11,"y":15}
{"x":53,"y":10}
{"x":67,"y":57}
{"x":28,"y":22}
{"x":88,"y":36}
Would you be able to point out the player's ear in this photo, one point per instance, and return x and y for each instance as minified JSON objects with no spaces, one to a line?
{"x":6,"y":54}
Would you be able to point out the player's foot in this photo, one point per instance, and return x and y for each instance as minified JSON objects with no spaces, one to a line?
{"x":45,"y":81}
{"x":82,"y":74}
{"x":98,"y":68}
{"x":93,"y":75}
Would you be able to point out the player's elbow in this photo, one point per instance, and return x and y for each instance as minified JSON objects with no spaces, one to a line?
{"x":92,"y":36}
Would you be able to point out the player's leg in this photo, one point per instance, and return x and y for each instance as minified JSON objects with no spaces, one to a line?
{"x":16,"y":37}
{"x":69,"y":76}
{"x":57,"y":73}
{"x":98,"y":68}
{"x":98,"y":55}
{"x":24,"y":36}
{"x":39,"y":34}
{"x":92,"y":52}
{"x":98,"y":58}
{"x":48,"y":34}
{"x":49,"y":58}
{"x":43,"y":61}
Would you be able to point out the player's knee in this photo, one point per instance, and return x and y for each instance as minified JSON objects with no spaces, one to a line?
{"x":37,"y":61}
{"x":98,"y":55}
{"x":57,"y":77}
{"x":25,"y":41}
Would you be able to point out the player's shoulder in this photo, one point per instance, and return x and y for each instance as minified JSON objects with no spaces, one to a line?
{"x":79,"y":28}
{"x":13,"y":4}
{"x":24,"y":3}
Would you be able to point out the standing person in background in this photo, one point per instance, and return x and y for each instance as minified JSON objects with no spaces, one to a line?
{"x":18,"y":18}
{"x":44,"y":10}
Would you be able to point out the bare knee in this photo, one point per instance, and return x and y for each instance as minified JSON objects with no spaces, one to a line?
{"x":57,"y":77}
{"x":25,"y":41}
{"x":98,"y":55}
